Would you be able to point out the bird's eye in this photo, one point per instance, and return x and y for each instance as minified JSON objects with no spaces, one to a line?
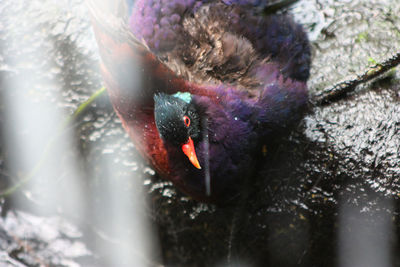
{"x":186,"y":120}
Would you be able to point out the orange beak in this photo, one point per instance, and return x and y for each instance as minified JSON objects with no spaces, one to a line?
{"x":189,"y":151}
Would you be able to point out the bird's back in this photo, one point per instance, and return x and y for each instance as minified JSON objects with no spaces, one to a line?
{"x":220,"y":41}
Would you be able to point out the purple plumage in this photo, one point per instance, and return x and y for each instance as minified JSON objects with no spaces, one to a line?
{"x":186,"y":25}
{"x":246,"y":78}
{"x":255,"y":65}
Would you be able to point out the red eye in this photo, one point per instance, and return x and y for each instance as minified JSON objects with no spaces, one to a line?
{"x":186,"y":120}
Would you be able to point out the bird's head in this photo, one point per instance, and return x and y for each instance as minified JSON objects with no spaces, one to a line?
{"x":178,"y":122}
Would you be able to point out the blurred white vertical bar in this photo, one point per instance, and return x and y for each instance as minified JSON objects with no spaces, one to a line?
{"x":33,"y":120}
{"x":365,"y":240}
{"x":128,"y":228}
{"x":131,"y":231}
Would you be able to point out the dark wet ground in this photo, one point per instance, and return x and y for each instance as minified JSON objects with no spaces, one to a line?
{"x":329,"y":195}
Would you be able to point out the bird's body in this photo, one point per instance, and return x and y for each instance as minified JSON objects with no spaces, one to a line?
{"x":245,"y":74}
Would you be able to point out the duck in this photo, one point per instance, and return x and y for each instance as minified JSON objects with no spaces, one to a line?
{"x":203,"y":88}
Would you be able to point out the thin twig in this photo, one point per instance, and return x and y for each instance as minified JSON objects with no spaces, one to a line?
{"x":273,"y":7}
{"x":341,"y":90}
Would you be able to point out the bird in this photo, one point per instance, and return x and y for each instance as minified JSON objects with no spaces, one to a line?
{"x":203,"y":88}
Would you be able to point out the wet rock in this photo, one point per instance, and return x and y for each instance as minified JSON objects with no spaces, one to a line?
{"x":329,"y":187}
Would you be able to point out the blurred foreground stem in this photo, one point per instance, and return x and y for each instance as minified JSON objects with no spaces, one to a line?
{"x":63,"y":126}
